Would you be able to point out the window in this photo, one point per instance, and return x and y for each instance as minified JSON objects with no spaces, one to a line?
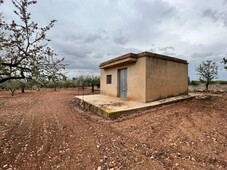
{"x":108,"y":79}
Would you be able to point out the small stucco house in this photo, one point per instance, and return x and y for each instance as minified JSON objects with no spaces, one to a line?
{"x":144,"y":77}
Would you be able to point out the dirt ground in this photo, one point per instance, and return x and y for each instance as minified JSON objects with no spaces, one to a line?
{"x":44,"y":130}
{"x":212,"y":87}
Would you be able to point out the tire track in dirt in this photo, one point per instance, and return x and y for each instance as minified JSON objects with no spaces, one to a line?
{"x":79,"y":137}
{"x":117,"y":150}
{"x":54,"y":138}
{"x":44,"y":133}
{"x":16,"y":137}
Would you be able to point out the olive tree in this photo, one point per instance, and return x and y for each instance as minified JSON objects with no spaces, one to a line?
{"x":24,"y":50}
{"x":225,"y":62}
{"x":88,"y":81}
{"x":207,"y":71}
{"x":12,"y":86}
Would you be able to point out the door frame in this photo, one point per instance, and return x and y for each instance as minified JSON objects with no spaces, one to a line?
{"x":119,"y":85}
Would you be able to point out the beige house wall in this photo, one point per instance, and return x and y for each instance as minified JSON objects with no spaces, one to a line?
{"x":165,"y":78}
{"x":136,"y":80}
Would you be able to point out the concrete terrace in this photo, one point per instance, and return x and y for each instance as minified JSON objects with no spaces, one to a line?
{"x":113,"y":107}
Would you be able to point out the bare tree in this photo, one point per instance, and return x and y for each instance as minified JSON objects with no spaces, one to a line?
{"x":207,"y":71}
{"x":24,"y":50}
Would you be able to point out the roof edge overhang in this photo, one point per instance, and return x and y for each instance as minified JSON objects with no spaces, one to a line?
{"x":131,"y":58}
{"x":119,"y":61}
{"x":162,"y":57}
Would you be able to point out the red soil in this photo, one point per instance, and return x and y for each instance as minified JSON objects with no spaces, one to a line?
{"x":43,"y":130}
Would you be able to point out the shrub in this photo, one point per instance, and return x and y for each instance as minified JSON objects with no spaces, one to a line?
{"x":223,"y":82}
{"x":194,"y":83}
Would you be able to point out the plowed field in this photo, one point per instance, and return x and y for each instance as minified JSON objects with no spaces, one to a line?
{"x":44,"y":130}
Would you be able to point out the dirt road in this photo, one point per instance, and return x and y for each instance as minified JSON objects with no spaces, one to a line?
{"x":43,"y":130}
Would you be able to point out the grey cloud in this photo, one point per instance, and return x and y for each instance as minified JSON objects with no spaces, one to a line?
{"x":73,"y":49}
{"x":90,"y":32}
{"x":84,"y":63}
{"x":211,"y":14}
{"x":215,"y":15}
{"x":86,"y":55}
{"x":120,"y":38}
{"x":91,"y":61}
{"x":201,"y":55}
{"x":169,"y":12}
{"x":225,"y":19}
{"x":155,"y":10}
{"x":152,"y":50}
{"x":99,"y":35}
{"x":92,"y":37}
{"x":167,"y":49}
{"x":148,"y":17}
{"x":164,"y":50}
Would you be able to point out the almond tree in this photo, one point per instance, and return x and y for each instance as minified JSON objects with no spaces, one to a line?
{"x":207,"y":71}
{"x":24,"y":50}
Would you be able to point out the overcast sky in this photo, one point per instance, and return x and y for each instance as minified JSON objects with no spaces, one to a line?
{"x":89,"y":32}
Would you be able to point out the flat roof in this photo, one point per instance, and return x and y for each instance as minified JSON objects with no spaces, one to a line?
{"x":143,"y":54}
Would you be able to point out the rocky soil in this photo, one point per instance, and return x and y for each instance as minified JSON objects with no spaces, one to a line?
{"x":44,"y":130}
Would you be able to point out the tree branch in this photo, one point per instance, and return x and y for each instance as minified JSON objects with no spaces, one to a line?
{"x":11,"y":78}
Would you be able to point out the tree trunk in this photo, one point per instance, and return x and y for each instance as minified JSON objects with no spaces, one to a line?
{"x":55,"y":85}
{"x":92,"y":88}
{"x":22,"y":89}
{"x":207,"y":84}
{"x":12,"y":91}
